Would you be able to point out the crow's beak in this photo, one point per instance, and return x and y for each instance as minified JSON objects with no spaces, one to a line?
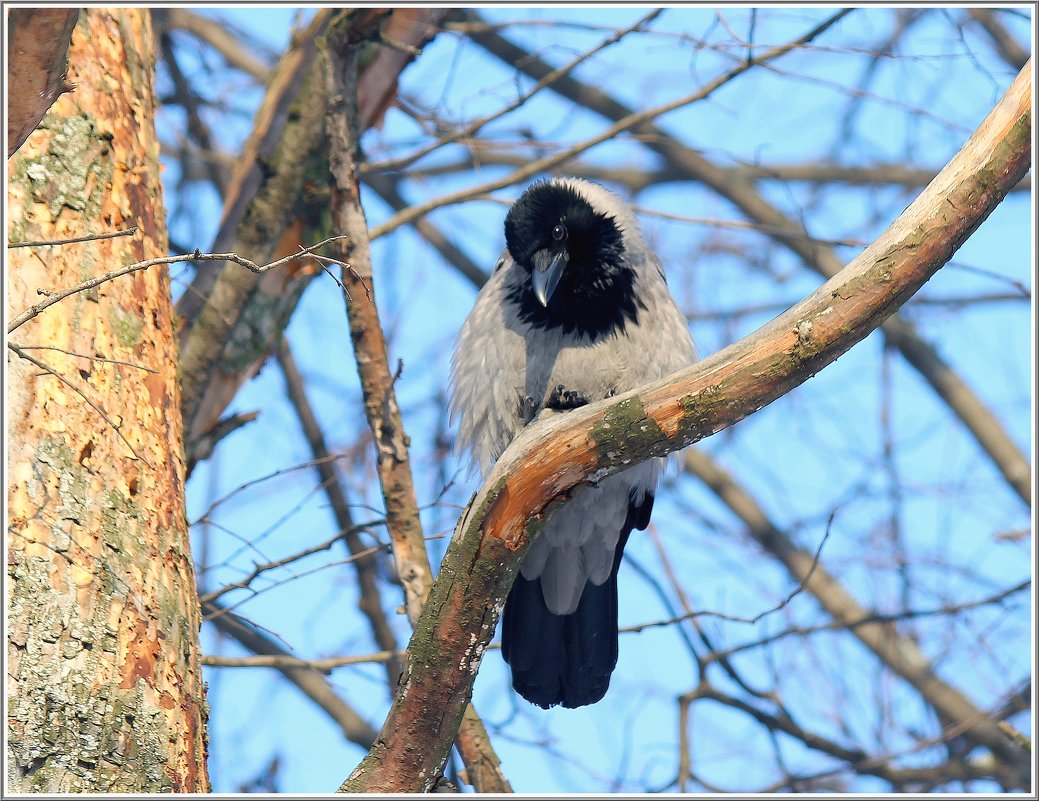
{"x":548,"y":269}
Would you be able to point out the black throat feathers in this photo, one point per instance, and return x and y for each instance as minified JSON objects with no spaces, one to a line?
{"x":596,"y":293}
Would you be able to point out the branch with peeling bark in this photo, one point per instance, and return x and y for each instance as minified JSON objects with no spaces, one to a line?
{"x":965,"y":404}
{"x":550,"y":459}
{"x":381,"y":409}
{"x":269,"y":203}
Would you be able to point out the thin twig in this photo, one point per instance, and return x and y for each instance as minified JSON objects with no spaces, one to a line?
{"x":55,"y":297}
{"x":735,"y":618}
{"x":51,"y":371}
{"x":370,"y":600}
{"x":474,"y":127}
{"x":71,"y":241}
{"x":258,"y":570}
{"x":323,"y":664}
{"x":894,"y":617}
{"x":91,"y":358}
{"x":624,"y":124}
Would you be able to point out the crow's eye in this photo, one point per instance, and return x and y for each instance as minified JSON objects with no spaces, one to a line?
{"x":559,"y":233}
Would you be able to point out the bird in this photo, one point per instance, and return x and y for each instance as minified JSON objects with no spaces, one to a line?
{"x":576,"y":310}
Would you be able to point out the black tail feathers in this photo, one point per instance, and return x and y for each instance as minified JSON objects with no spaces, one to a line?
{"x":566,"y":659}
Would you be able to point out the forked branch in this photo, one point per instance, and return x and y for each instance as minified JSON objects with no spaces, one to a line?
{"x":549,"y":460}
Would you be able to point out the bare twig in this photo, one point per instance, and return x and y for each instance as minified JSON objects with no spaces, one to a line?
{"x":380,"y":402}
{"x":900,"y":653}
{"x":632,"y":120}
{"x":324,"y":665}
{"x":1006,"y":45}
{"x":389,"y":190}
{"x":55,"y":242}
{"x":636,"y":179}
{"x":245,"y":582}
{"x":307,"y":679}
{"x":58,"y":296}
{"x":185,"y":95}
{"x":101,"y":412}
{"x":370,"y":600}
{"x":202,"y":446}
{"x":474,"y":127}
{"x":236,"y":53}
{"x":101,"y":359}
{"x":843,"y":624}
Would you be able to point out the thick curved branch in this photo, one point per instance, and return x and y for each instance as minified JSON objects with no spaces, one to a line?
{"x":965,"y":404}
{"x":549,"y":460}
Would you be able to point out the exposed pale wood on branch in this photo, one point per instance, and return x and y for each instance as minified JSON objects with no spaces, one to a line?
{"x":381,"y":409}
{"x":548,"y":460}
{"x":948,"y":385}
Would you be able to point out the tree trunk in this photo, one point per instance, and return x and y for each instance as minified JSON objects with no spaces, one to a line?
{"x":105,"y":690}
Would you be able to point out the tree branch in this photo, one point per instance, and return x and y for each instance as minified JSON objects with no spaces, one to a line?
{"x":1006,"y":45}
{"x":309,"y":680}
{"x":370,"y":601}
{"x":235,"y":52}
{"x":900,"y":653}
{"x":381,"y":409}
{"x":270,"y":201}
{"x":549,"y":460}
{"x":633,"y":120}
{"x":982,"y":424}
{"x":58,"y":296}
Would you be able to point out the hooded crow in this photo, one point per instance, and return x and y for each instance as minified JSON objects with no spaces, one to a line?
{"x":577,"y":310}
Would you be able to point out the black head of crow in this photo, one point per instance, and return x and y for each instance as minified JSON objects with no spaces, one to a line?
{"x":577,"y":310}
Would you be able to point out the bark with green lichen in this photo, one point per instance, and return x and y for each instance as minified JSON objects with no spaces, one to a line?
{"x":104,"y":685}
{"x":552,"y":459}
{"x":233,"y":319}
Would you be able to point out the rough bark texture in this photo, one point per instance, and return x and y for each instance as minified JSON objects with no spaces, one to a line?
{"x":549,"y":459}
{"x":38,"y":46}
{"x":104,"y":686}
{"x":263,"y":198}
{"x":233,"y":318}
{"x":382,"y":411}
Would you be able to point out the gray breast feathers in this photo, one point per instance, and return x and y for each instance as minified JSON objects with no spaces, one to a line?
{"x":499,"y":361}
